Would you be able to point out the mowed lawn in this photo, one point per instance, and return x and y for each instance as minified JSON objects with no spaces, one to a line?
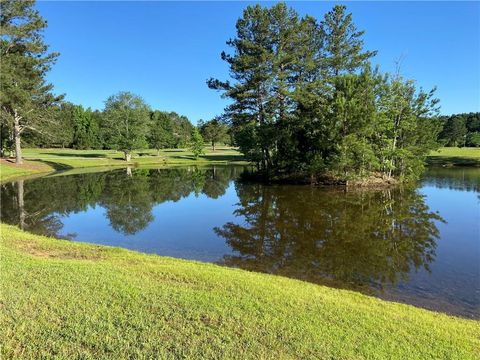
{"x":451,"y":156}
{"x":72,"y":300}
{"x":45,"y":160}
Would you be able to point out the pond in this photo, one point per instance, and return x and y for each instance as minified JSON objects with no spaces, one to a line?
{"x":418,"y":245}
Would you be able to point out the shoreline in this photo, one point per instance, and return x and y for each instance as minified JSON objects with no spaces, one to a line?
{"x":205,"y":307}
{"x":46,"y":161}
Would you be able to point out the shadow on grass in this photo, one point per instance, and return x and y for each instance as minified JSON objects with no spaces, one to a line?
{"x":76,"y":155}
{"x":232,"y":157}
{"x":56,"y":166}
{"x":452,"y":161}
{"x":173,"y":150}
{"x":209,"y":157}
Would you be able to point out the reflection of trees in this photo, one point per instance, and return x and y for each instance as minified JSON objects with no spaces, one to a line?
{"x":458,"y":178}
{"x":128,"y":196}
{"x":37,"y":205}
{"x":128,"y":201}
{"x":351,"y":239}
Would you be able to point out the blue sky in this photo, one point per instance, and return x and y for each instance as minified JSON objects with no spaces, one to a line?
{"x":164,"y":51}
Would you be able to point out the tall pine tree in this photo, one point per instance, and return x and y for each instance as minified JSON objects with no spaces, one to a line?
{"x":25,"y":96}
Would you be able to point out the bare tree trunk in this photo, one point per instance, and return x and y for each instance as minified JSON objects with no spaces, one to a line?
{"x":21,"y":205}
{"x":129,"y":171}
{"x":128,"y":156}
{"x":16,"y":134}
{"x":213,"y":146}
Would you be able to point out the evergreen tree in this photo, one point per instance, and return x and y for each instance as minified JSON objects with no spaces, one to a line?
{"x":26,"y":97}
{"x":213,"y":131}
{"x":250,"y":67}
{"x":197,"y":143}
{"x":161,"y":132}
{"x":86,"y":129}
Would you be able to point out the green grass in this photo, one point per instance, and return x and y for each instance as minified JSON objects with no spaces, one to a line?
{"x":45,"y":160}
{"x":72,"y":300}
{"x":454,"y":156}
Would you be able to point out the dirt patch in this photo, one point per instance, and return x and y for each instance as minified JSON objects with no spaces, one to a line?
{"x":27,"y":165}
{"x":35,"y":249}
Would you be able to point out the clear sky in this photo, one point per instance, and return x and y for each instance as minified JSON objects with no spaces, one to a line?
{"x":165,"y":51}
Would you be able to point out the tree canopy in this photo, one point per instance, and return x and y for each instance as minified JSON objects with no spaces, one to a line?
{"x":306,"y":99}
{"x":126,"y":121}
{"x":26,"y":97}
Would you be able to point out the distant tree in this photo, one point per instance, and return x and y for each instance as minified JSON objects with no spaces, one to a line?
{"x":454,"y":131}
{"x":473,"y":122}
{"x":161,"y":133}
{"x":459,"y":129}
{"x":473,"y":139}
{"x":197,"y":143}
{"x":86,"y":129}
{"x":65,"y":124}
{"x":182,"y":129}
{"x":214,"y":131}
{"x":126,"y":122}
{"x":26,"y":97}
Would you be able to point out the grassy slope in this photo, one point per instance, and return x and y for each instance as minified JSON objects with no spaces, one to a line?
{"x":449,"y":156}
{"x":77,"y":300}
{"x":45,"y":160}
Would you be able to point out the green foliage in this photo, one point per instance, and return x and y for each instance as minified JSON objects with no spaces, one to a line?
{"x":126,"y":122}
{"x":197,"y":143}
{"x":457,"y":129}
{"x":473,"y":139}
{"x":161,"y":133}
{"x":214,"y":131}
{"x":26,"y":98}
{"x":305,"y":99}
{"x":86,"y":129}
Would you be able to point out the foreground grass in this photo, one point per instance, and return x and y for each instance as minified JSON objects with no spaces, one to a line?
{"x":73,"y":300}
{"x":47,"y":160}
{"x":454,"y":156}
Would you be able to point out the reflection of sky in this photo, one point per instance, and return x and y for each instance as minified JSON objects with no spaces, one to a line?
{"x":184,"y":229}
{"x":181,"y":229}
{"x":455,"y":273}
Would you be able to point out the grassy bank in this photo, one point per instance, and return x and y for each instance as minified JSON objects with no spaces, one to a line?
{"x":47,"y":160}
{"x":454,"y":156}
{"x":74,"y":300}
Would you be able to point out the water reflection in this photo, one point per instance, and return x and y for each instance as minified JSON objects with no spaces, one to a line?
{"x":380,"y":242}
{"x":459,"y":178}
{"x":127,"y":195}
{"x":349,"y":239}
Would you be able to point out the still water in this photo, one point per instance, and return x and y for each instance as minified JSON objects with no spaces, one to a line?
{"x":418,"y":245}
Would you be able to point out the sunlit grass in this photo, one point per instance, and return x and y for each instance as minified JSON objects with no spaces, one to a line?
{"x":63,"y":159}
{"x":73,"y":300}
{"x":449,"y":156}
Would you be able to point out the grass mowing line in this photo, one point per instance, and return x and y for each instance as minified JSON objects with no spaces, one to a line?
{"x":75,"y":300}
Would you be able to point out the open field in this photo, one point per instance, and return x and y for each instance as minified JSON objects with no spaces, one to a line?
{"x":47,"y":160}
{"x":74,"y":300}
{"x":454,"y":156}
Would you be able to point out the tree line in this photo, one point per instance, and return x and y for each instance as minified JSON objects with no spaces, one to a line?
{"x":32,"y":115}
{"x":460,"y":130}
